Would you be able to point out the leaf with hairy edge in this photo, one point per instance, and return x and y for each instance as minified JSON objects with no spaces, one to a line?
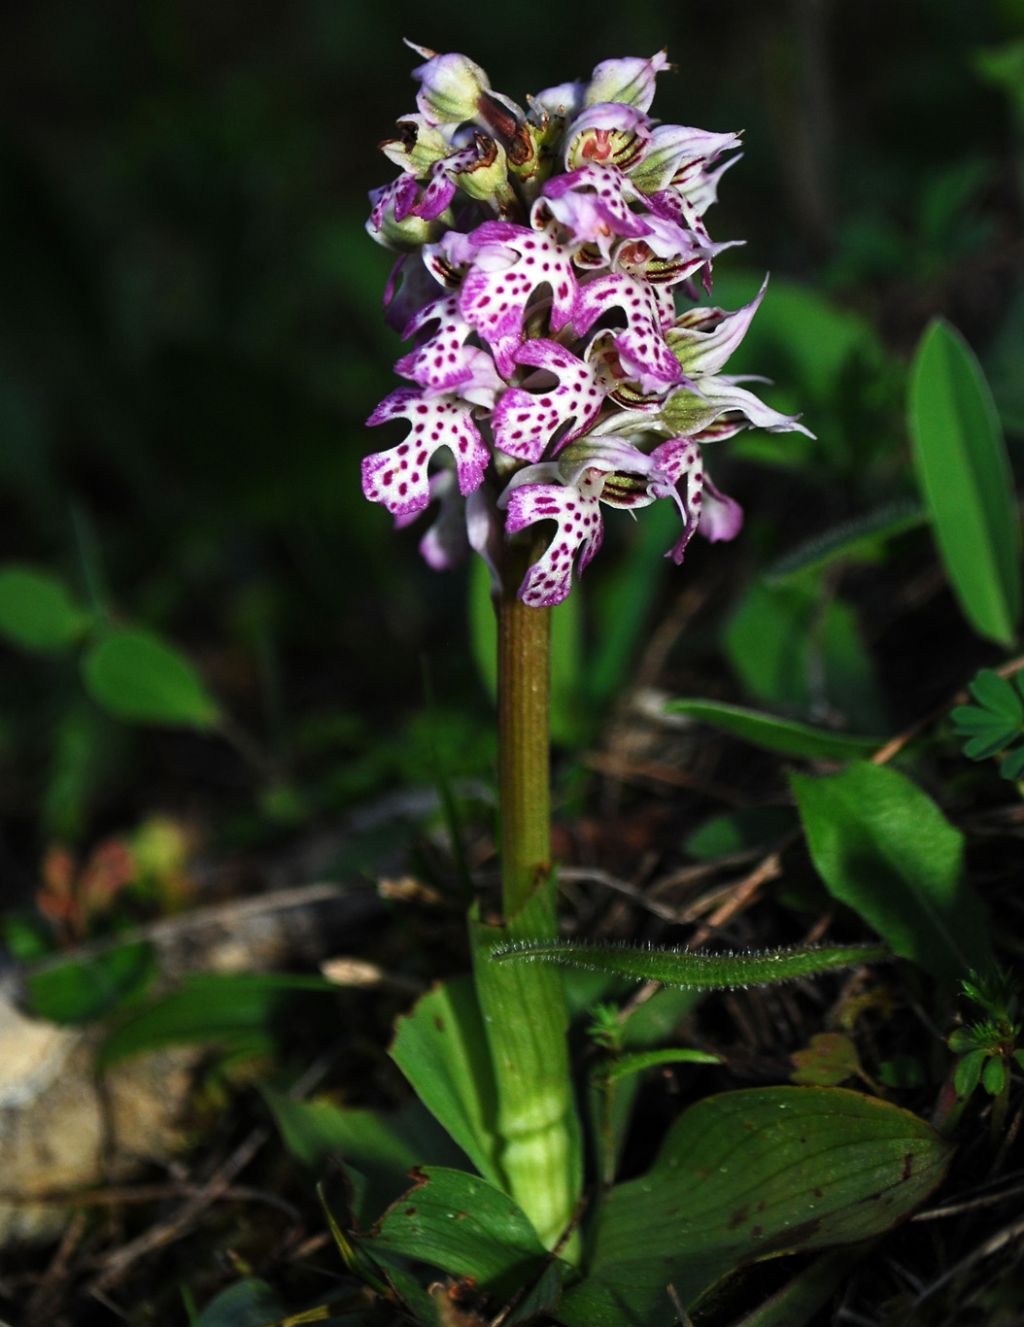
{"x":859,"y":539}
{"x":441,"y":1047}
{"x":138,"y":678}
{"x":965,"y":477}
{"x":694,"y":969}
{"x":750,"y":1175}
{"x":37,"y":613}
{"x":785,"y":736}
{"x":883,"y":847}
{"x":462,"y":1225}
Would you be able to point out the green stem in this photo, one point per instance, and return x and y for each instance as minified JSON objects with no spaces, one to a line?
{"x":524,"y":1010}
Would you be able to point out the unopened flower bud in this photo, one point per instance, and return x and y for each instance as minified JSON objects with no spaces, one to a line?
{"x":450,"y":87}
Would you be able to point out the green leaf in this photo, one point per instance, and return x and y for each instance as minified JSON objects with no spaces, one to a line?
{"x":993,"y":1075}
{"x":750,"y":1175}
{"x":966,"y":481}
{"x":786,"y":736}
{"x":625,"y":1065}
{"x":466,"y":1227}
{"x":248,"y":1303}
{"x":441,"y":1047}
{"x":883,"y":847}
{"x":753,"y":827}
{"x":859,"y":539}
{"x":694,"y":969}
{"x":382,"y":1145}
{"x":138,"y":678}
{"x":83,"y":990}
{"x":997,"y":695}
{"x":235,"y":1010}
{"x":968,"y":1073}
{"x":37,"y":612}
{"x":1013,"y":766}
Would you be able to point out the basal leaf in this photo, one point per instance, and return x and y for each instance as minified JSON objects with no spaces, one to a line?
{"x":37,"y":612}
{"x":138,"y":678}
{"x":441,"y":1047}
{"x":749,"y":1175}
{"x":966,"y":481}
{"x":786,"y":736}
{"x":883,"y":847}
{"x":462,"y":1225}
{"x":384,"y":1146}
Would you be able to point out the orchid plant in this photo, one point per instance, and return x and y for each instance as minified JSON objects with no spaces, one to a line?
{"x":552,"y":265}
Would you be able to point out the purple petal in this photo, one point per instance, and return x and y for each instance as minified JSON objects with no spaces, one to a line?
{"x":643,"y":355}
{"x":592,"y":204}
{"x":703,"y":339}
{"x":524,"y":422}
{"x":579,"y":530}
{"x":398,"y":478}
{"x":511,"y":264}
{"x":721,"y":517}
{"x":444,"y":363}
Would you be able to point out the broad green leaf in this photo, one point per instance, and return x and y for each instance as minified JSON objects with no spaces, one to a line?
{"x":82,"y":990}
{"x":37,"y":612}
{"x":750,"y":1175}
{"x":138,"y":678}
{"x":234,"y":1010}
{"x":966,"y":481}
{"x":786,"y":736}
{"x":739,"y":831}
{"x":382,"y":1145}
{"x":883,"y":847}
{"x":858,"y":540}
{"x":466,"y":1227}
{"x":441,"y":1047}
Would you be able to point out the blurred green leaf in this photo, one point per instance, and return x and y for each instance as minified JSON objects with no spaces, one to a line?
{"x":37,"y":612}
{"x":750,"y":1175}
{"x":138,"y":678}
{"x":965,"y":478}
{"x":739,"y":831}
{"x":248,"y":1303}
{"x":830,"y":1058}
{"x":785,"y":736}
{"x":883,"y":847}
{"x":234,"y":1010}
{"x":858,"y":540}
{"x":83,"y":990}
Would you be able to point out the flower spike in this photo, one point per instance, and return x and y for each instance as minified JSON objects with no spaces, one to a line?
{"x":557,"y":353}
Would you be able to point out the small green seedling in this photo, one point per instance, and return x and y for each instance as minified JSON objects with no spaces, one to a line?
{"x":990,"y":1047}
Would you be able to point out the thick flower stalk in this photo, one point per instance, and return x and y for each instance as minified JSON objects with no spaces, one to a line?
{"x":545,"y":255}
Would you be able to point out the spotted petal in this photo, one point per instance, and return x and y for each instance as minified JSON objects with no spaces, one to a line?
{"x":592,"y":204}
{"x":398,"y":478}
{"x":702,"y":505}
{"x":577,"y":513}
{"x":444,"y":363}
{"x":643,"y":354}
{"x":511,"y":263}
{"x":524,"y":421}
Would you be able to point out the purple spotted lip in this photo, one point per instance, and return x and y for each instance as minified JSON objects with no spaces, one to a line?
{"x":551,"y":270}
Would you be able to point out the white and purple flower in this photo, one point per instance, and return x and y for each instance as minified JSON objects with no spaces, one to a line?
{"x":552,"y":373}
